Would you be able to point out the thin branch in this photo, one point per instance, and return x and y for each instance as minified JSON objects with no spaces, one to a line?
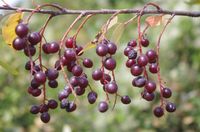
{"x":65,"y":11}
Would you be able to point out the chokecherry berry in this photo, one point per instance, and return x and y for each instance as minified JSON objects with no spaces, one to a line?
{"x":111,"y":87}
{"x":52,"y":104}
{"x":142,"y":60}
{"x":35,"y":109}
{"x":150,"y":86}
{"x":139,"y":81}
{"x":166,"y":92}
{"x":97,"y":74}
{"x":40,"y":77}
{"x":112,"y":48}
{"x":110,"y":64}
{"x":45,"y":117}
{"x":34,"y":38}
{"x":132,"y":43}
{"x":77,"y":70}
{"x":70,"y":54}
{"x":19,"y":43}
{"x":69,"y":42}
{"x":92,"y":96}
{"x":53,"y":83}
{"x":21,"y":30}
{"x":52,"y":74}
{"x":136,"y":70}
{"x":102,"y":49}
{"x":130,"y":62}
{"x":144,"y":42}
{"x":158,"y":111}
{"x":87,"y":63}
{"x":125,"y":99}
{"x":170,"y":107}
{"x":103,"y":106}
{"x":153,"y":68}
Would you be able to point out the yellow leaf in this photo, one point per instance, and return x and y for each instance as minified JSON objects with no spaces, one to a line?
{"x":87,"y":47}
{"x":154,"y":20}
{"x":8,"y":29}
{"x":113,"y":22}
{"x":117,"y":33}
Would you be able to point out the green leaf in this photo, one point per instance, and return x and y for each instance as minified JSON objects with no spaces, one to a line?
{"x":117,"y":33}
{"x":9,"y":68}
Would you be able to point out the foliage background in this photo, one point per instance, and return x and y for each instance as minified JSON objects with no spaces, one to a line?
{"x":180,"y":67}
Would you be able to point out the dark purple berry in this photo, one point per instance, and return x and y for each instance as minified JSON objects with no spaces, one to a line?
{"x":74,"y":81}
{"x":77,"y":70}
{"x":136,"y":70}
{"x":103,"y":106}
{"x":144,"y":42}
{"x":45,"y":48}
{"x":53,"y":47}
{"x":92,"y":96}
{"x":40,"y":77}
{"x":52,"y":104}
{"x":132,"y":43}
{"x":170,"y":107}
{"x":127,"y":49}
{"x":130,"y":62}
{"x":139,"y":81}
{"x":132,"y":54}
{"x":29,"y":50}
{"x":34,"y":38}
{"x":97,"y":74}
{"x":34,"y":83}
{"x":150,"y":86}
{"x":148,"y":96}
{"x":102,"y":49}
{"x":111,"y":87}
{"x":166,"y":92}
{"x":71,"y":107}
{"x":53,"y":83}
{"x":36,"y":92}
{"x":153,"y":68}
{"x":44,"y":108}
{"x":21,"y":30}
{"x":69,"y":43}
{"x":79,"y":50}
{"x":35,"y":109}
{"x":70,"y":54}
{"x":79,"y":91}
{"x":112,"y":48}
{"x":105,"y":79}
{"x":19,"y":43}
{"x":151,"y":54}
{"x":52,"y":74}
{"x":82,"y":82}
{"x":142,"y":60}
{"x":28,"y":65}
{"x":64,"y":103}
{"x":110,"y":64}
{"x":45,"y":117}
{"x":125,"y":99}
{"x":87,"y":63}
{"x":158,"y":111}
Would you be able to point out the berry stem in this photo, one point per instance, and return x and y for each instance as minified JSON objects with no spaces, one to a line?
{"x":158,"y":51}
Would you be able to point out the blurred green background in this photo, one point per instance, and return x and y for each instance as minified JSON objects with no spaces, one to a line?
{"x":180,"y":68}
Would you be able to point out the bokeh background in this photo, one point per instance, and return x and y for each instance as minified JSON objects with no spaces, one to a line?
{"x":180,"y":68}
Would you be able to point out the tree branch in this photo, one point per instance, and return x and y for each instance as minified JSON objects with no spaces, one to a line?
{"x":65,"y":11}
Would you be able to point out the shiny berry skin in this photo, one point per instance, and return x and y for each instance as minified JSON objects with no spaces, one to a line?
{"x":150,"y":86}
{"x":103,"y":106}
{"x":34,"y":83}
{"x":166,"y":92}
{"x":35,"y":109}
{"x":142,"y":60}
{"x":78,"y":50}
{"x":110,"y":64}
{"x":28,"y":65}
{"x":19,"y":43}
{"x":36,"y":92}
{"x":92,"y":96}
{"x":74,"y":81}
{"x":30,"y":49}
{"x":44,"y":108}
{"x":112,"y":48}
{"x":132,"y":43}
{"x":52,"y":104}
{"x":158,"y":111}
{"x":45,"y":117}
{"x":53,"y":47}
{"x":132,"y":54}
{"x":69,"y":43}
{"x":77,"y":70}
{"x":136,"y":70}
{"x":97,"y":74}
{"x":64,"y":103}
{"x":105,"y":79}
{"x":127,"y":49}
{"x":87,"y":63}
{"x":111,"y":87}
{"x":40,"y":77}
{"x":53,"y":84}
{"x":130,"y":62}
{"x":70,"y":54}
{"x":125,"y":99}
{"x":45,"y":48}
{"x":102,"y":49}
{"x":79,"y":91}
{"x":139,"y":81}
{"x":52,"y":74}
{"x":82,"y":82}
{"x":71,"y":107}
{"x":148,"y":96}
{"x":145,"y":42}
{"x":170,"y":107}
{"x":153,"y":68}
{"x":151,"y":54}
{"x":64,"y":94}
{"x":34,"y":38}
{"x":21,"y":30}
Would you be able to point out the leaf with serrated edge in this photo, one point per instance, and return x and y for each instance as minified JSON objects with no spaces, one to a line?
{"x":154,"y":20}
{"x":8,"y":29}
{"x":117,"y":33}
{"x":87,"y":47}
{"x":8,"y":67}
